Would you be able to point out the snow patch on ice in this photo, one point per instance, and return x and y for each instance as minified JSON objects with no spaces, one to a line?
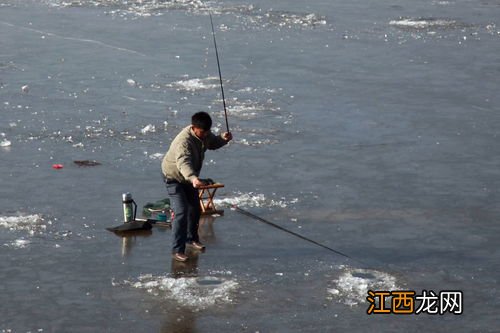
{"x":3,"y":140}
{"x":351,"y":287}
{"x":148,"y":129}
{"x":192,"y":85}
{"x":254,"y":200}
{"x":425,"y":23}
{"x":156,"y":156}
{"x":194,"y":292}
{"x":33,"y":224}
{"x":254,"y":143}
{"x":5,"y":143}
{"x":18,"y":243}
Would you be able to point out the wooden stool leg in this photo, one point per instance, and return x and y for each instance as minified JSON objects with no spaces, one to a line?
{"x":203,"y":206}
{"x":206,"y":195}
{"x":210,"y":202}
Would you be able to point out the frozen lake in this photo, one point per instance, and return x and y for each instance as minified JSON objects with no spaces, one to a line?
{"x":371,"y":128}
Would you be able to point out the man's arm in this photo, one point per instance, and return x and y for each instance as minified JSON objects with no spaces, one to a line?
{"x":183,"y":160}
{"x":217,"y":141}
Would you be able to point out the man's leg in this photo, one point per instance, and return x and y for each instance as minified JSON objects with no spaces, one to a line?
{"x":179,"y":203}
{"x":193,"y":203}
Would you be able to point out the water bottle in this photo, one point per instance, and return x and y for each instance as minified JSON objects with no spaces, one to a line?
{"x":128,"y":208}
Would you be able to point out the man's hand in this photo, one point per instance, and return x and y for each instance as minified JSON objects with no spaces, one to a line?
{"x":197,"y":182}
{"x":227,"y":136}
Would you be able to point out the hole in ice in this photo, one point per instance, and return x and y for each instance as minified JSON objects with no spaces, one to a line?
{"x":362,"y":275}
{"x":352,"y":285}
{"x":208,"y":281}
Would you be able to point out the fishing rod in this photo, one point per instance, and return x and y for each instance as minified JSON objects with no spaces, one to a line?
{"x":220,"y":75}
{"x":260,"y":219}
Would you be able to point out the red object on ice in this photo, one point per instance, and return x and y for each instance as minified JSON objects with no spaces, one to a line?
{"x":57,"y":166}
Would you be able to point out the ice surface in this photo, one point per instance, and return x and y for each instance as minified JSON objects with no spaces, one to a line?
{"x":20,"y":243}
{"x":351,"y":287}
{"x":254,"y":200}
{"x":196,"y":84}
{"x":150,"y":128}
{"x":250,"y":109}
{"x":33,"y":224}
{"x":5,"y":143}
{"x":423,"y":23}
{"x":192,"y":292}
{"x":284,"y":19}
{"x":332,"y":140}
{"x":156,"y":156}
{"x":254,"y":143}
{"x":249,"y":14}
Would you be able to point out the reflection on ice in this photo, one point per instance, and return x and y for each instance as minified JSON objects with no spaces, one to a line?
{"x":351,"y":287}
{"x":193,"y":292}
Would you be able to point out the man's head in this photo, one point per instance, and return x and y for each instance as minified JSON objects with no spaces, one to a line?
{"x":201,"y":124}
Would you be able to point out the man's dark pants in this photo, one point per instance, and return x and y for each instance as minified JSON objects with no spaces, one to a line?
{"x":185,"y":202}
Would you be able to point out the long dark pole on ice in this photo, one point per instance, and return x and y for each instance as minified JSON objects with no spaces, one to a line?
{"x":274,"y":225}
{"x":220,"y":75}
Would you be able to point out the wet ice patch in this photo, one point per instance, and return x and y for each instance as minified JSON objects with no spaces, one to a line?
{"x":351,"y":287}
{"x":193,"y":292}
{"x":33,"y":224}
{"x":254,"y":200}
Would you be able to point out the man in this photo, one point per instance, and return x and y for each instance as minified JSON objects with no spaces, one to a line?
{"x":181,"y":168}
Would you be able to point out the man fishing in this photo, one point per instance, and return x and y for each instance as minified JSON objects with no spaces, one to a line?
{"x":181,"y":168}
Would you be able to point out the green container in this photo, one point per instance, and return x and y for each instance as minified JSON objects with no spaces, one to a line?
{"x":156,"y":208}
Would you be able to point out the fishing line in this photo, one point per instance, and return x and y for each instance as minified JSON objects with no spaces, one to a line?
{"x":220,"y":75}
{"x":260,"y":219}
